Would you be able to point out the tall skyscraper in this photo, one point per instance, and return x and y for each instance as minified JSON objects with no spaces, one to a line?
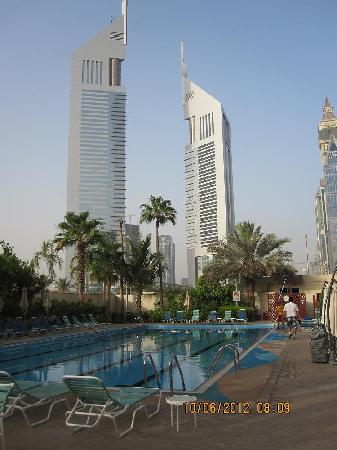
{"x":326,"y":196}
{"x":208,"y":172}
{"x":96,"y":158}
{"x":167,"y":249}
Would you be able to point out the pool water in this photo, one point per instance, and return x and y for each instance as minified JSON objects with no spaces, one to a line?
{"x":117,"y":358}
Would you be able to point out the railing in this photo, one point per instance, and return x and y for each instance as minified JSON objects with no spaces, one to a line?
{"x":156,"y":374}
{"x":236,"y":357}
{"x":170,"y":369}
{"x":140,"y":319}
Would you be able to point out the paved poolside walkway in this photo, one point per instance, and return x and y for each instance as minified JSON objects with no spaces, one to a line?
{"x":311,"y":389}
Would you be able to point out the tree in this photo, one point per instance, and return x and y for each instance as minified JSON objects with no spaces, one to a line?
{"x":121,"y":271}
{"x":161,"y":212}
{"x":81,"y":232}
{"x":141,"y":267}
{"x":16,"y":274}
{"x":48,"y":254}
{"x":104,"y":261}
{"x":249,"y":254}
{"x":209,"y":294}
{"x":63,"y":285}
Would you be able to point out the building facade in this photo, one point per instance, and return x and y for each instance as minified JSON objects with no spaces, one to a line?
{"x":131,"y":231}
{"x":208,"y":175}
{"x":326,"y":196}
{"x":167,"y":250}
{"x":96,"y":157}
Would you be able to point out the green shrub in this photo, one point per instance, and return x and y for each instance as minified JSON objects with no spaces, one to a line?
{"x":65,"y":308}
{"x":156,"y":315}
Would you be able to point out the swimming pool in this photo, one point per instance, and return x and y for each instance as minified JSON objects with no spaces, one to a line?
{"x":116,"y":356}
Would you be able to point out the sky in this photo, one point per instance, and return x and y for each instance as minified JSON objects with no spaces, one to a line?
{"x":270,"y":63}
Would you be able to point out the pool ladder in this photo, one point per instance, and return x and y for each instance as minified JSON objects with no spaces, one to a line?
{"x":170,"y":369}
{"x":236,"y":357}
{"x":173,"y":359}
{"x":156,"y":373}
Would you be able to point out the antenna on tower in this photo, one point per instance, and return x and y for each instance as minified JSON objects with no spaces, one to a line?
{"x":125,"y":17}
{"x":183,"y":65}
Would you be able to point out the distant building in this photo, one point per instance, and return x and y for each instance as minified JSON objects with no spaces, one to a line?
{"x":326,"y":196}
{"x":323,"y":261}
{"x":167,"y":249}
{"x":131,"y":231}
{"x":184,"y":281}
{"x":208,"y":174}
{"x":96,"y":157}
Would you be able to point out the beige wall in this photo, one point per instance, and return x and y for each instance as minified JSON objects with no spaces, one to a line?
{"x":307,"y":284}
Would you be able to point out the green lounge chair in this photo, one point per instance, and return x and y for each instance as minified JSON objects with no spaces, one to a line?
{"x":212,"y":316}
{"x":228,"y":317}
{"x":6,"y":408}
{"x":77,"y":322}
{"x":68,"y":324}
{"x":242,"y":316}
{"x":195,"y":316}
{"x":92,"y":320}
{"x":36,"y":327}
{"x":95,"y":401}
{"x":28,"y":395}
{"x":167,"y":317}
{"x":180,"y":316}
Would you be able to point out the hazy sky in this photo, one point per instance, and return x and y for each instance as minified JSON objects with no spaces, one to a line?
{"x":270,"y":63}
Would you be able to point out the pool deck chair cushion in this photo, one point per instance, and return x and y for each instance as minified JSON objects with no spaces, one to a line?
{"x":95,"y":401}
{"x":28,"y":395}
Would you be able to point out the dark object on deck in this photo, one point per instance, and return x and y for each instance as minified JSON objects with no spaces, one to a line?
{"x":319,"y":346}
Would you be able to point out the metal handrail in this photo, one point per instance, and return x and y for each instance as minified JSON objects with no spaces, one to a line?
{"x":170,"y":369}
{"x":156,"y":374}
{"x":219,"y":353}
{"x":140,"y":319}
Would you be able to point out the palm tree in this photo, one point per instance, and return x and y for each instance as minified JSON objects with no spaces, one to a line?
{"x":81,"y":232}
{"x":141,"y":267}
{"x":63,"y":285}
{"x":48,"y":254}
{"x":161,"y":212}
{"x":104,"y":262}
{"x":249,"y":254}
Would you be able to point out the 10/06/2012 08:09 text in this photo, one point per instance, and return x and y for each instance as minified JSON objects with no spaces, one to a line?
{"x":208,"y":407}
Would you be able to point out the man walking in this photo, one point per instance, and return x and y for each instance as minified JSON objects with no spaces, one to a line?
{"x":291,"y":311}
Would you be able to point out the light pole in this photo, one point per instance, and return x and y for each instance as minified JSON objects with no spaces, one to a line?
{"x":306,"y":251}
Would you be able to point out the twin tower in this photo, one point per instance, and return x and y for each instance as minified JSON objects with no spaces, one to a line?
{"x":97,"y":147}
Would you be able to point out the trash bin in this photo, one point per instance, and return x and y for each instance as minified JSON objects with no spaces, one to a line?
{"x":319,"y":346}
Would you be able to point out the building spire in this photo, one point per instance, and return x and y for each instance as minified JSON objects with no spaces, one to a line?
{"x":328,"y":113}
{"x":183,"y":65}
{"x":125,"y":18}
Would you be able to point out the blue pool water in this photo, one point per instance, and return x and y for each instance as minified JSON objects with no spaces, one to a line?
{"x":117,"y":356}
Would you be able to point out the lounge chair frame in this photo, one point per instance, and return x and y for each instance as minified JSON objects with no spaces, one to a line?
{"x":25,"y":399}
{"x":93,"y":413}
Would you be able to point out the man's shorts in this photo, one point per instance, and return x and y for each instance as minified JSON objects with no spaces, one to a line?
{"x":280,"y":319}
{"x":291,"y":321}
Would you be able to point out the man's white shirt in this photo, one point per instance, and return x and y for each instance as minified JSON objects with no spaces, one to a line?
{"x":291,"y":309}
